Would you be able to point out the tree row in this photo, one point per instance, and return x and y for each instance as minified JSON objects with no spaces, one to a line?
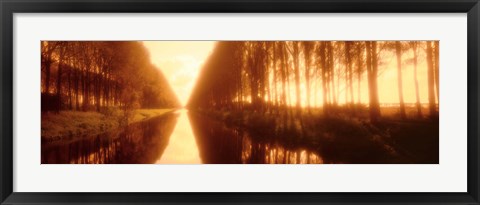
{"x":286,"y":76}
{"x":83,"y":76}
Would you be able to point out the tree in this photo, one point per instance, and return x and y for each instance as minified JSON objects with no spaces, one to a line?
{"x":372,"y":69}
{"x":257,"y":75}
{"x":307,"y":50}
{"x":437,"y":66}
{"x":399,"y":51}
{"x":431,"y":80}
{"x":414,"y":45}
{"x":96,"y":75}
{"x":349,"y":71}
{"x":360,"y":48}
{"x":47,"y":51}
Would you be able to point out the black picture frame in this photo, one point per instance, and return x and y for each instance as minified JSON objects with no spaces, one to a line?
{"x":10,"y":7}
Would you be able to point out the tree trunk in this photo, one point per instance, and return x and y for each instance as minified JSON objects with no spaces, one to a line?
{"x":437,"y":66}
{"x":297,"y":77}
{"x":59,"y":79}
{"x":275,"y":91}
{"x":324,"y":77}
{"x":349,"y":68}
{"x":307,"y":72}
{"x":76,"y":77}
{"x":48,"y":63}
{"x":430,"y":75}
{"x":359,"y":73}
{"x":398,"y":49}
{"x":284,"y":73}
{"x":332,"y":72}
{"x":70,"y":103}
{"x":417,"y":94}
{"x":372,"y":81}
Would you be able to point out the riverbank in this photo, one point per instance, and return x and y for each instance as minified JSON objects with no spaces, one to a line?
{"x":343,"y":138}
{"x":68,"y":124}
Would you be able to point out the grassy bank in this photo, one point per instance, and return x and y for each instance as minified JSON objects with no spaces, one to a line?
{"x":74,"y":123}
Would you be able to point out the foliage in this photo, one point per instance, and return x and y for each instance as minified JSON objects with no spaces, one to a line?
{"x":90,"y":75}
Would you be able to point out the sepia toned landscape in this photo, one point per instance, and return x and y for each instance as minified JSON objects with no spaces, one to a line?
{"x":240,"y":102}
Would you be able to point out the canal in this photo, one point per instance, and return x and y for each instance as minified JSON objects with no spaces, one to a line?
{"x":180,"y":137}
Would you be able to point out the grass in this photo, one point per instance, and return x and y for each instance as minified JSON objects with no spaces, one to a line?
{"x":144,"y":114}
{"x":74,"y":123}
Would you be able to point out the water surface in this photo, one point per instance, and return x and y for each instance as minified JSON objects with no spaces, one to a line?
{"x":180,"y":137}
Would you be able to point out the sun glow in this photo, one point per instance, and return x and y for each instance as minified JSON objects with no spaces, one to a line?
{"x":180,"y":62}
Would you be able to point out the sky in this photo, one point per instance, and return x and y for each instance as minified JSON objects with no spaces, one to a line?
{"x":180,"y":62}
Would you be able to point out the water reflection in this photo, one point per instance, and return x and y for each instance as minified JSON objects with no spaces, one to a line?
{"x":219,"y":144}
{"x":273,"y":153}
{"x":139,"y":143}
{"x":178,"y":138}
{"x":182,"y":148}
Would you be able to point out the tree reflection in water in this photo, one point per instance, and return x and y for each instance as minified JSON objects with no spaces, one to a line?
{"x":139,"y":143}
{"x":219,"y":144}
{"x":210,"y":141}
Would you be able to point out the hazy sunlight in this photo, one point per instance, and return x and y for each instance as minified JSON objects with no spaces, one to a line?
{"x":180,"y":62}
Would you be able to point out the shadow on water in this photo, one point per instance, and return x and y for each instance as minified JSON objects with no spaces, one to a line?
{"x":138,"y":143}
{"x":219,"y":144}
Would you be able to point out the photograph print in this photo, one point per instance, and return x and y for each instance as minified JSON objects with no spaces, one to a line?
{"x":240,"y":102}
